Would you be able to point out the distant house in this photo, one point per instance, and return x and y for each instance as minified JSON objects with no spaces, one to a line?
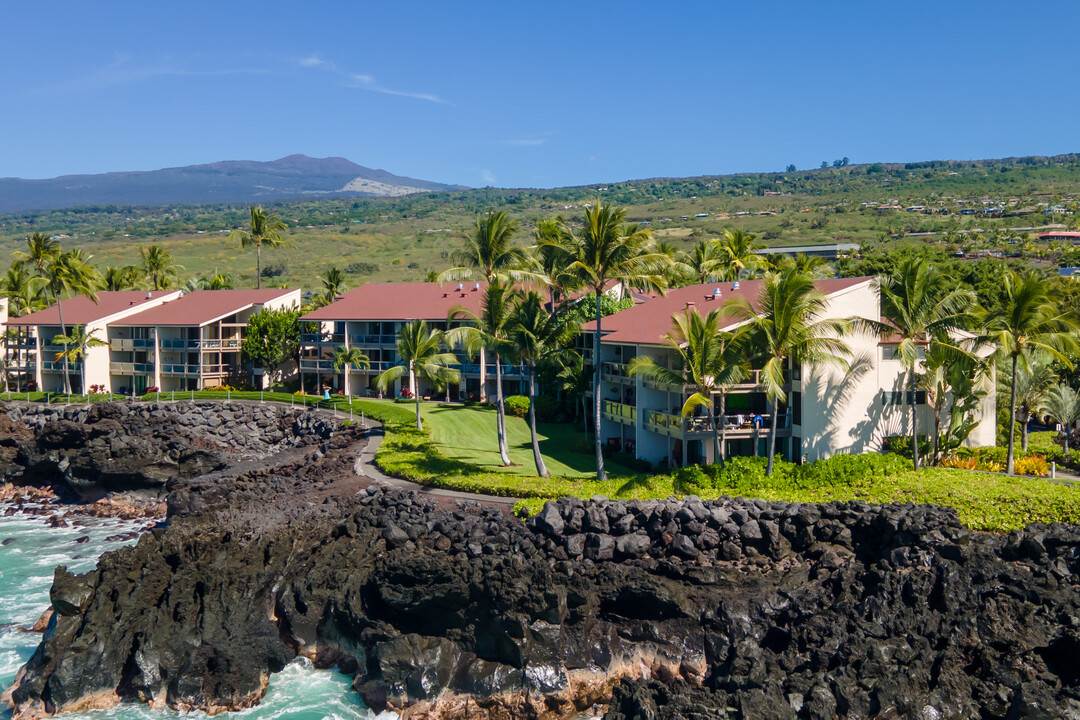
{"x":1070,"y":272}
{"x":699,"y":216}
{"x":1060,"y":235}
{"x":829,"y":251}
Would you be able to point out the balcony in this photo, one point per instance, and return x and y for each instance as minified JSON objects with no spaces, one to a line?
{"x":130,"y":344}
{"x":314,"y":365}
{"x":616,"y":372}
{"x":508,"y":371}
{"x":185,"y":370}
{"x":620,"y":413}
{"x":58,"y":366}
{"x":128,"y":368}
{"x":372,"y":340}
{"x":735,"y":426}
{"x":335,"y":339}
{"x":204,"y":344}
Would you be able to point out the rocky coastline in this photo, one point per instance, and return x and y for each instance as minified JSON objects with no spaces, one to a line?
{"x":664,"y":609}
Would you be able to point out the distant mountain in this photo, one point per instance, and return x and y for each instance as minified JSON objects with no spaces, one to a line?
{"x":231,"y":181}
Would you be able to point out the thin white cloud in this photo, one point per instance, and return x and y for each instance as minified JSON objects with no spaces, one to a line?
{"x":361,"y":81}
{"x":487,"y":176}
{"x":523,"y":142}
{"x":123,"y":72}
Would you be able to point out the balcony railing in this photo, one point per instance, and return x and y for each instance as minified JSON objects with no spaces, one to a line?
{"x":129,"y":368}
{"x":739,"y":425}
{"x":58,"y":365}
{"x":361,"y":340}
{"x":471,"y":368}
{"x":206,"y":344}
{"x":129,"y":344}
{"x":626,"y":414}
{"x":322,"y":338}
{"x":312,"y":364}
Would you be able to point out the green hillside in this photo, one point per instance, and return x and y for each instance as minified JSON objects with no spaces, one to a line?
{"x":404,"y":238}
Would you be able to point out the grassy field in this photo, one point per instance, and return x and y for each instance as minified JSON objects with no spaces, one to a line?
{"x":405,"y":238}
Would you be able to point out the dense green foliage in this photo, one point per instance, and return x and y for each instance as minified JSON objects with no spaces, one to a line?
{"x":273,"y":336}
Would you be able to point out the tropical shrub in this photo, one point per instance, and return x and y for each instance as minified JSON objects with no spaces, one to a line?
{"x":516,"y":405}
{"x":901,"y":445}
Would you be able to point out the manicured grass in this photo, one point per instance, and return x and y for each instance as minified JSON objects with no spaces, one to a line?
{"x":467,"y":434}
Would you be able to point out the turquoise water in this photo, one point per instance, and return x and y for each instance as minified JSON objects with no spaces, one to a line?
{"x":300,"y":692}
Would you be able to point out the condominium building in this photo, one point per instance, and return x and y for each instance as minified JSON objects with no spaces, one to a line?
{"x":369,"y":318}
{"x":32,"y":349}
{"x":851,"y":407}
{"x":158,"y":339}
{"x":190,"y":343}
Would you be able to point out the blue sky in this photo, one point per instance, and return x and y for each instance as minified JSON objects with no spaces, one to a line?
{"x":533,"y":94}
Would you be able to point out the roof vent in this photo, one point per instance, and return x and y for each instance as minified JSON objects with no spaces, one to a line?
{"x":460,"y":287}
{"x":689,"y":304}
{"x":149,"y":295}
{"x":735,"y":285}
{"x":716,"y":292}
{"x":475,"y":287}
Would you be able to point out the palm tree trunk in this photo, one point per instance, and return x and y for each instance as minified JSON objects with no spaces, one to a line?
{"x":483,"y":376}
{"x":597,"y":401}
{"x":1024,"y":431}
{"x":500,"y":414}
{"x":258,"y":266}
{"x":63,"y":331}
{"x":719,"y":431}
{"x":914,"y":419}
{"x":771,"y":450}
{"x":541,"y":468}
{"x":1012,"y":417}
{"x":416,"y":397}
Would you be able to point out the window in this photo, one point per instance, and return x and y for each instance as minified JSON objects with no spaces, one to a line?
{"x":796,"y":408}
{"x":902,"y":398}
{"x":891,"y":352}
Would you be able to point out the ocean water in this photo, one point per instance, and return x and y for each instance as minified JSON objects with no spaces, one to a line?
{"x":299,"y":692}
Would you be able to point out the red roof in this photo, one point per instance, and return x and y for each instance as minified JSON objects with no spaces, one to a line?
{"x":81,"y":310}
{"x":203,"y":306}
{"x":648,"y":322}
{"x":401,"y":301}
{"x":1061,"y":234}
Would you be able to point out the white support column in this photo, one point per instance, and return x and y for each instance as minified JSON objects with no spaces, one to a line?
{"x":37,"y":358}
{"x":157,"y":358}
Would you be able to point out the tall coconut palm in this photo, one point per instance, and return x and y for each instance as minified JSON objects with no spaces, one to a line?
{"x":75,"y":344}
{"x":158,"y":265}
{"x":126,"y":277}
{"x":70,"y":272}
{"x":736,"y":254}
{"x":919,"y":302}
{"x":488,"y":331}
{"x":334,"y":284}
{"x":551,"y":252}
{"x":21,"y":290}
{"x":263,"y":229}
{"x":344,"y":358}
{"x":40,"y":250}
{"x":788,"y":327}
{"x":1035,"y":376}
{"x":608,"y":248}
{"x":705,"y":260}
{"x":489,"y":253}
{"x":420,"y":348}
{"x":539,"y":337}
{"x":711,"y":360}
{"x":1063,"y":404}
{"x":1028,"y":322}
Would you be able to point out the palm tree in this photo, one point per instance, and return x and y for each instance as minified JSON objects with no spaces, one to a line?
{"x":919,"y":302}
{"x":21,"y":290}
{"x":76,"y":343}
{"x":788,"y":327}
{"x":575,"y":382}
{"x":552,"y":255}
{"x":705,"y":260}
{"x":40,"y":250}
{"x":120,"y":278}
{"x":263,"y":230}
{"x":489,"y":253}
{"x":539,"y":337}
{"x":1035,"y":376}
{"x":1029,"y":321}
{"x":334,"y":284}
{"x":420,"y":348}
{"x":158,"y":265}
{"x":1063,"y":404}
{"x":608,"y":248}
{"x":711,"y":361}
{"x":70,"y":272}
{"x":488,"y":331}
{"x":736,"y":254}
{"x":344,"y":358}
